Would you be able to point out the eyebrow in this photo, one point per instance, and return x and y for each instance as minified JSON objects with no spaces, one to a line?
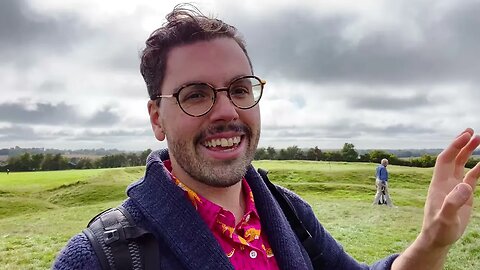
{"x":224,"y":83}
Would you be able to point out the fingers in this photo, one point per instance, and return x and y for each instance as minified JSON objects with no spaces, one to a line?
{"x":472,"y":176}
{"x":454,"y":200}
{"x":464,"y":155}
{"x":451,"y":152}
{"x":466,"y":151}
{"x":460,"y":149}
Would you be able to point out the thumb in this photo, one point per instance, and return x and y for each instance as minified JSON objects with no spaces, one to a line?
{"x":455,"y":199}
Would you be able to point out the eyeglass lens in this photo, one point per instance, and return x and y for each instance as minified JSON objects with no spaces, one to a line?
{"x":197,"y":99}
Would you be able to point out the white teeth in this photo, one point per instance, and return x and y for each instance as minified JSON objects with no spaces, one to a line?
{"x":223,"y":142}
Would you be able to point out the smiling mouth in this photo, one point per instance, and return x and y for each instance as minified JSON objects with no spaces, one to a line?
{"x":224,"y":143}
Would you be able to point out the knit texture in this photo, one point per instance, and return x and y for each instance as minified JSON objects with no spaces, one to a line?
{"x":78,"y":254}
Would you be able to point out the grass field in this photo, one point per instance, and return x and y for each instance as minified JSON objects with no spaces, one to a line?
{"x":40,"y":211}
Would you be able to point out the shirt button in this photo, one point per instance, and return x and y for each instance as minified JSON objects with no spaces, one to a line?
{"x":253,"y":254}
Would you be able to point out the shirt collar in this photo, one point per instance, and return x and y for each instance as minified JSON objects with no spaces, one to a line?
{"x":207,"y":209}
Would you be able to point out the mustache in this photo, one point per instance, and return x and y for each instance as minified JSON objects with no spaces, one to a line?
{"x":223,"y":127}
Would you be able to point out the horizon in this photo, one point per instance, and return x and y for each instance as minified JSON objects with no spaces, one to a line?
{"x":140,"y":150}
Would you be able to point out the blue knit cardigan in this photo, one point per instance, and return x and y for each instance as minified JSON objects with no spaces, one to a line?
{"x":185,"y":241}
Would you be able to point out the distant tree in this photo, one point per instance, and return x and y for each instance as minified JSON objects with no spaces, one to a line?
{"x":12,"y":163}
{"x":377,"y":155}
{"x":314,"y":154}
{"x":112,"y":161}
{"x":271,"y":153}
{"x":19,"y":163}
{"x":26,"y":162}
{"x":291,"y":153}
{"x":365,"y":157}
{"x":144,"y":155}
{"x":261,"y":154}
{"x":133,"y":160}
{"x":47,"y":162}
{"x":59,"y":162}
{"x":424,"y":161}
{"x":472,"y":162}
{"x":37,"y":161}
{"x":349,"y":153}
{"x":84,"y":163}
{"x":282,"y":154}
{"x":333,"y":156}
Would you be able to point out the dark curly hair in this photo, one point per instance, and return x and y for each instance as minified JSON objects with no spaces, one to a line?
{"x":185,"y":25}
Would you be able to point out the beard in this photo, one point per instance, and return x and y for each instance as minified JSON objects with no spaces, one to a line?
{"x":215,"y":173}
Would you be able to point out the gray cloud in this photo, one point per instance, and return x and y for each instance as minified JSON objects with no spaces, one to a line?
{"x":49,"y":86}
{"x":301,"y":45}
{"x":55,"y":114}
{"x":26,"y":35}
{"x":345,"y":129}
{"x":30,"y":39}
{"x":20,"y":26}
{"x":104,"y":117}
{"x":41,"y":113}
{"x":18,"y":132}
{"x":400,"y":129}
{"x":388,"y":103}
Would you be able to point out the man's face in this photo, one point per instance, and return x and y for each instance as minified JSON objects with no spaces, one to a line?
{"x":190,"y":139}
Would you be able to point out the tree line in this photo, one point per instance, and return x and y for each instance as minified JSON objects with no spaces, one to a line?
{"x":348,"y":153}
{"x":52,"y":162}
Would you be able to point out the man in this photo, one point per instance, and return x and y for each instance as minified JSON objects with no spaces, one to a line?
{"x":204,"y":202}
{"x":381,"y":175}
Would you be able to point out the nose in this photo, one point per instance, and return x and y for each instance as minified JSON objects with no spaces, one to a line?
{"x":223,"y":109}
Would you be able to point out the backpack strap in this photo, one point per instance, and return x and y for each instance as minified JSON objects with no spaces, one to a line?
{"x":119,"y":243}
{"x":297,"y":225}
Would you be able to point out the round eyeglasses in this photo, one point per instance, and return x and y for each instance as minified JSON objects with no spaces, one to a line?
{"x":197,"y":99}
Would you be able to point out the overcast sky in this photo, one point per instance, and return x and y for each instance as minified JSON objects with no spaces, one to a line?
{"x":378,"y":74}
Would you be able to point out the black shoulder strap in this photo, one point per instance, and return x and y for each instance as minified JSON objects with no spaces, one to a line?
{"x":302,"y":233}
{"x":119,"y":243}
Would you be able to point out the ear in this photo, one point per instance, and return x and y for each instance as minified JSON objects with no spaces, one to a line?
{"x":154,"y":113}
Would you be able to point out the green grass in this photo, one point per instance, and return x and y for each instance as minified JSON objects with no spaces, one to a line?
{"x":38,"y":181}
{"x":40,"y":211}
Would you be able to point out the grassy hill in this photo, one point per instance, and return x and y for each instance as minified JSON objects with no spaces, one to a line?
{"x":40,"y":211}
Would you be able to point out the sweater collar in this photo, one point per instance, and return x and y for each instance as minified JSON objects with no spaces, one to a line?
{"x":177,"y":223}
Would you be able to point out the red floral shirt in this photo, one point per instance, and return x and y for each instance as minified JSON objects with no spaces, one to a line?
{"x":244,"y":243}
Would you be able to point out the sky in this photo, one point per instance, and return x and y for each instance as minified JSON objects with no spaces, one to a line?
{"x":378,"y":74}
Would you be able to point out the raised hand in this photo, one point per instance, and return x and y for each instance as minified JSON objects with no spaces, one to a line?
{"x":448,"y":207}
{"x":450,"y":196}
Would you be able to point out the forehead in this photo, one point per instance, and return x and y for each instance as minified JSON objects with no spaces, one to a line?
{"x":215,"y":61}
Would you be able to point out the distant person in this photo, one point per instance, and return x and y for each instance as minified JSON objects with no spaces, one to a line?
{"x":381,"y":181}
{"x":203,"y":201}
{"x":8,"y":171}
